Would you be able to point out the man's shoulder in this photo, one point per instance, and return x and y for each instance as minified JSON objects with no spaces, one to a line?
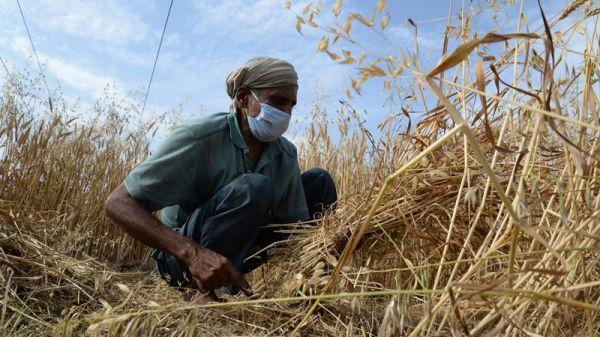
{"x":202,"y":127}
{"x":288,"y":147}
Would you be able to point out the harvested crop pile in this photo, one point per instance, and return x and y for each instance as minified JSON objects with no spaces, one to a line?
{"x":483,"y":218}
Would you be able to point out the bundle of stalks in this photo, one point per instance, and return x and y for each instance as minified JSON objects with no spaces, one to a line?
{"x":483,"y":219}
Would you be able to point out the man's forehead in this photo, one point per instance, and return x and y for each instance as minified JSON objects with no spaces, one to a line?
{"x":287,"y":91}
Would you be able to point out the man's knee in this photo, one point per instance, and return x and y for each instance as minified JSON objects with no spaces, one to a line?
{"x":258,"y":188}
{"x":319,"y":190}
{"x":317,"y":174}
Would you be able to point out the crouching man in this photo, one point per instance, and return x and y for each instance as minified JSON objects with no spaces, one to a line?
{"x":219,"y":180}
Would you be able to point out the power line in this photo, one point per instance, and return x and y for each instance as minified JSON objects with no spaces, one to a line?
{"x":36,"y":55}
{"x":5,"y":67}
{"x":104,"y":43}
{"x":156,"y":59}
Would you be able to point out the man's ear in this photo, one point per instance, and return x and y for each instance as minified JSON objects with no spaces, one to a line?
{"x":242,"y":97}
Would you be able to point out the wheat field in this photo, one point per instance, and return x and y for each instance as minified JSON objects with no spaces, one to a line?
{"x":481,"y":217}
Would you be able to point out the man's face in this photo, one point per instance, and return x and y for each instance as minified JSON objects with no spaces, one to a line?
{"x":282,"y":98}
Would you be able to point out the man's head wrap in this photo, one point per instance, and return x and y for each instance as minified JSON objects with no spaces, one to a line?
{"x":261,"y":72}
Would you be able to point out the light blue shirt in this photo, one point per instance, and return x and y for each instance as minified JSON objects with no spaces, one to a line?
{"x":204,"y":154}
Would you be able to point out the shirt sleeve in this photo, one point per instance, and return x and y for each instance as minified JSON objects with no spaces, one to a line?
{"x":292,"y":207}
{"x":168,"y":176}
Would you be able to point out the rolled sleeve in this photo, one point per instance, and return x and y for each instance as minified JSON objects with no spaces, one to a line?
{"x":168,"y":176}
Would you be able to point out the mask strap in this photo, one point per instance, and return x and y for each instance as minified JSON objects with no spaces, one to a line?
{"x":253,"y":94}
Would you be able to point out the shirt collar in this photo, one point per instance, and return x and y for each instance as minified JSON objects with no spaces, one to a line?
{"x":234,"y":131}
{"x":269,"y":152}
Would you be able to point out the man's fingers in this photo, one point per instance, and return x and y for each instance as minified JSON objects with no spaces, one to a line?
{"x":243,"y":284}
{"x":247,"y":291}
{"x":238,"y":279}
{"x":224,"y":276}
{"x":214,"y":296}
{"x":209,"y":283}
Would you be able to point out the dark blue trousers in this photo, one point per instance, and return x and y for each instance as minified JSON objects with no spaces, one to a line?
{"x":231,"y":221}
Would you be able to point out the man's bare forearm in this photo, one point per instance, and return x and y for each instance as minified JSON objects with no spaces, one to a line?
{"x":138,"y":222}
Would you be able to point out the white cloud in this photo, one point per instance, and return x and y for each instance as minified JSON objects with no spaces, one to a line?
{"x":76,"y":77}
{"x":200,"y":48}
{"x":244,"y":29}
{"x":21,"y":46}
{"x":85,"y":82}
{"x":65,"y":72}
{"x":242,"y":17}
{"x":109,"y":21}
{"x":129,"y":57}
{"x":406,"y":35}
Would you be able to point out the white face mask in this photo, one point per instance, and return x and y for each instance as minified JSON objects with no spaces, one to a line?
{"x":270,"y":123}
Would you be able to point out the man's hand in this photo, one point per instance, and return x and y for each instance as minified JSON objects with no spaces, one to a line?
{"x":209,"y":269}
{"x":212,"y":270}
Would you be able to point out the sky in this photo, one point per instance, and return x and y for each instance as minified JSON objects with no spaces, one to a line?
{"x":88,"y":46}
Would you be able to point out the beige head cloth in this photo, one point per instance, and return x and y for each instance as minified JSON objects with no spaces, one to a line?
{"x":261,"y":72}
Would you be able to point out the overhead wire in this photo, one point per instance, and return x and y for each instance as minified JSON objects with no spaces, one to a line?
{"x":156,"y":58}
{"x":5,"y":67}
{"x":104,"y":42}
{"x":36,"y":55}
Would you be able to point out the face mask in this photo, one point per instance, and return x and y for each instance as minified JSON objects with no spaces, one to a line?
{"x":270,"y":123}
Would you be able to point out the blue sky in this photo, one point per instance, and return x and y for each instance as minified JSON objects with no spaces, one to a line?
{"x":87,"y":45}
